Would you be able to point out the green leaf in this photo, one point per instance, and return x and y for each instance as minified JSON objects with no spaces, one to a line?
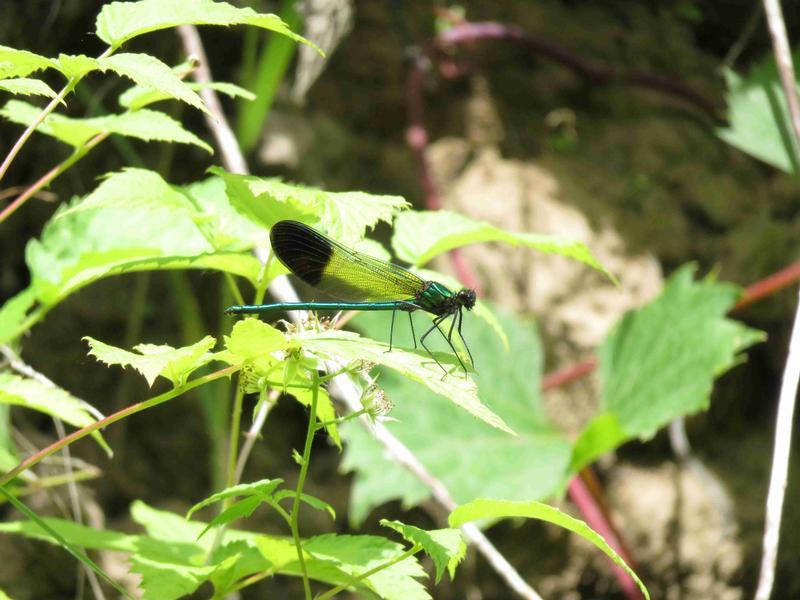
{"x":446,"y":547}
{"x":312,"y":501}
{"x":175,"y":364}
{"x":27,"y":87}
{"x":241,"y":509}
{"x":20,"y":63}
{"x":420,"y":236}
{"x":143,"y":124}
{"x":251,"y":339}
{"x":342,"y":557}
{"x":470,"y":459}
{"x":261,"y":488}
{"x":13,"y":313}
{"x":149,"y":71}
{"x":119,"y":22}
{"x":133,"y":221}
{"x":493,"y":509}
{"x":417,"y":366}
{"x":76,"y":66}
{"x":140,"y":96}
{"x":51,"y":400}
{"x":758,"y":117}
{"x":344,"y":215}
{"x":660,"y":361}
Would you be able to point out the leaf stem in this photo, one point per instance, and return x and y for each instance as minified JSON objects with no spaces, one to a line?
{"x":117,"y":416}
{"x":340,"y":420}
{"x":340,"y":588}
{"x":233,"y":442}
{"x":312,"y":421}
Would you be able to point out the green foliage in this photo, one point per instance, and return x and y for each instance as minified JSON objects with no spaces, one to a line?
{"x":660,"y":361}
{"x":24,"y":86}
{"x":48,"y":399}
{"x":420,"y":236}
{"x":142,"y":124}
{"x":446,"y":547}
{"x":494,"y":509}
{"x":151,"y":360}
{"x":20,"y":63}
{"x":471,"y":459}
{"x":758,"y":117}
{"x":119,"y":22}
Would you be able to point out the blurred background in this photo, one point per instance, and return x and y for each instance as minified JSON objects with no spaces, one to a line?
{"x":602,"y":125}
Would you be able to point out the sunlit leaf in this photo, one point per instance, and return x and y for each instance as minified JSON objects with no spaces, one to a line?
{"x":446,"y":547}
{"x":151,"y":360}
{"x":495,"y":509}
{"x":20,"y":63}
{"x":261,"y":488}
{"x":23,"y":86}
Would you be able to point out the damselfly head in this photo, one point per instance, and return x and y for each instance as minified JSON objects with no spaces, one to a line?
{"x":466,"y":298}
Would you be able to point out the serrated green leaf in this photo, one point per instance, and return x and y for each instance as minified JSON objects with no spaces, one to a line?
{"x":417,"y":366}
{"x":419,"y":236}
{"x":493,"y":509}
{"x":51,"y":400}
{"x":119,"y":22}
{"x":470,"y":459}
{"x":261,"y":488}
{"x":251,"y":339}
{"x":76,"y":66}
{"x":659,"y":362}
{"x":241,"y":509}
{"x":144,"y":124}
{"x":23,"y":86}
{"x":446,"y":547}
{"x":20,"y":63}
{"x":312,"y":501}
{"x":13,"y":313}
{"x":151,"y":360}
{"x":758,"y":117}
{"x":140,"y":96}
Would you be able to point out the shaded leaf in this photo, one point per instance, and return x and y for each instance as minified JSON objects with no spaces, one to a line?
{"x":261,"y":488}
{"x":659,"y":362}
{"x":312,"y":501}
{"x":494,"y":509}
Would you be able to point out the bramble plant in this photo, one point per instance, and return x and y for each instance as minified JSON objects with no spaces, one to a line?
{"x":489,"y":425}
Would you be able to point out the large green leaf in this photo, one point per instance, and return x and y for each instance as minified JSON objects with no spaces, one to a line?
{"x":414,"y":366}
{"x":151,"y":360}
{"x":142,"y":124}
{"x":119,"y":22}
{"x":660,"y":362}
{"x":51,"y":400}
{"x":419,"y":236}
{"x":20,"y":63}
{"x":494,"y":509}
{"x":758,"y":117}
{"x":133,"y":221}
{"x":23,"y":86}
{"x":470,"y":458}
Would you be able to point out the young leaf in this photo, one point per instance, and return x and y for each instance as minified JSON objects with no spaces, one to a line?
{"x":140,"y":96}
{"x":20,"y":63}
{"x":175,"y":364}
{"x":312,"y":501}
{"x":143,"y":124}
{"x":262,"y":488}
{"x":420,"y":236}
{"x":446,"y":547}
{"x":251,"y":339}
{"x":471,"y":459}
{"x":23,"y":86}
{"x":660,"y":361}
{"x":758,"y":117}
{"x":53,"y":401}
{"x":496,"y":509}
{"x":13,"y":313}
{"x":417,"y":366}
{"x":119,"y":22}
{"x":353,"y":555}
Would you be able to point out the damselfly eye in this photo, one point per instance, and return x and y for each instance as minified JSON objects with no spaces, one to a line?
{"x":466,"y":298}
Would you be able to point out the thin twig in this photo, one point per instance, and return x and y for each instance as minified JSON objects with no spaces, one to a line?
{"x":282,"y":290}
{"x":791,"y":373}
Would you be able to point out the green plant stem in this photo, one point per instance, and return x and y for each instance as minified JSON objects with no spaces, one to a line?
{"x":44,"y":483}
{"x":340,"y":420}
{"x":48,"y":177}
{"x":312,"y":421}
{"x":117,"y":416}
{"x":233,"y":442}
{"x":340,"y":588}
